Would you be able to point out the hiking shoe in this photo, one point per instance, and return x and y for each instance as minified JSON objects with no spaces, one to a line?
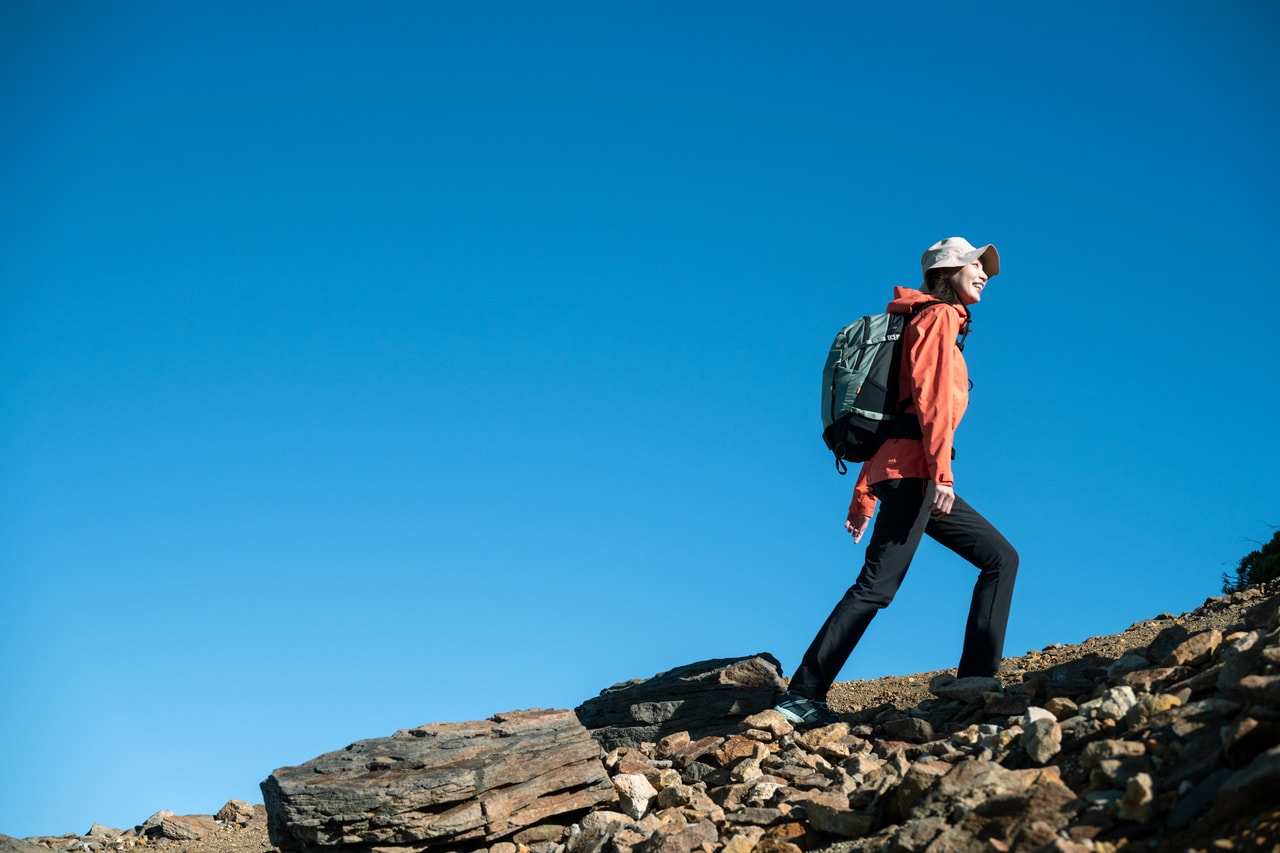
{"x":802,"y":711}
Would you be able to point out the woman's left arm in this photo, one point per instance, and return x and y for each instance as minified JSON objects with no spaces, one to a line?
{"x":935,"y":360}
{"x":862,"y":507}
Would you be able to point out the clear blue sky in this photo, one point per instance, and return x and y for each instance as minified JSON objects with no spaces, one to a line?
{"x":372,"y":365}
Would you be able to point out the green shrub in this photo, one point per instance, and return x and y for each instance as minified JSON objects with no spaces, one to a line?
{"x":1256,"y":567}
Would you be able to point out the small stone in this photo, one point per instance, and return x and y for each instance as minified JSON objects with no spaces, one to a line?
{"x":1110,"y":750}
{"x":768,"y":844}
{"x":672,"y":743}
{"x":1148,"y":705}
{"x":739,"y":844}
{"x":1061,"y":707}
{"x":540,"y":832}
{"x":1042,"y":739}
{"x":815,"y":740}
{"x":1139,"y":798}
{"x":1036,"y":713}
{"x":746,"y":770}
{"x":770,"y":721}
{"x":1129,"y":662}
{"x":601,"y":820}
{"x":735,"y":749}
{"x":662,"y":777}
{"x":634,"y":793}
{"x":1112,"y":705}
{"x":675,"y":796}
{"x":754,"y":816}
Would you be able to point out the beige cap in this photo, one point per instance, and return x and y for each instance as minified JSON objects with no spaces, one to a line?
{"x":959,"y":252}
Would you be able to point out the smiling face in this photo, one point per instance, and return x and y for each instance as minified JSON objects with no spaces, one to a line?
{"x":968,"y":282}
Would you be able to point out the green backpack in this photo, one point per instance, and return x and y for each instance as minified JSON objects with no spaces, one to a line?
{"x":860,"y":409}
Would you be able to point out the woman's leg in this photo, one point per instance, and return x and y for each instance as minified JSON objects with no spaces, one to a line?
{"x":968,"y":534}
{"x":899,"y":526}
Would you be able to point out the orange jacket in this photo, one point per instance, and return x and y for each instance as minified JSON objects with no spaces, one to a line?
{"x":938,"y":385}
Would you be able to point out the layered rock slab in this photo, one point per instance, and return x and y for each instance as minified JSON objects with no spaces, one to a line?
{"x":705,"y":698}
{"x":438,"y":785}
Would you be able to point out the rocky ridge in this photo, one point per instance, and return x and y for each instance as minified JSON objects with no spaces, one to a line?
{"x":1165,"y":736}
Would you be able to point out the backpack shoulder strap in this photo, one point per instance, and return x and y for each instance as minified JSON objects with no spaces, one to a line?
{"x":920,"y":307}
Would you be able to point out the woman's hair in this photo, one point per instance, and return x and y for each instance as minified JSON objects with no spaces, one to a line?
{"x":937,"y":283}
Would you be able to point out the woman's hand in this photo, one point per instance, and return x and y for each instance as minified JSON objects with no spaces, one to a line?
{"x":857,"y":525}
{"x":944,"y":497}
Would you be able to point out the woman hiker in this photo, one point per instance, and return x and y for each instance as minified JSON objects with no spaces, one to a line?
{"x":912,"y":480}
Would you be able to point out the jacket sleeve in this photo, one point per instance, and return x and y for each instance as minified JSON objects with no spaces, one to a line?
{"x":934,"y":360}
{"x":864,"y":500}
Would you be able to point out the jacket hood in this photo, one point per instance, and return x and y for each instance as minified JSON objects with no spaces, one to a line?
{"x":906,"y":298}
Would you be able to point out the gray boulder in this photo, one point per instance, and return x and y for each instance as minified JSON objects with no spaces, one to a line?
{"x":439,"y":785}
{"x":706,"y":698}
{"x":9,"y":844}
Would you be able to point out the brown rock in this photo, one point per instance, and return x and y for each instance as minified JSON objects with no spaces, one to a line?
{"x":9,"y":844}
{"x":1246,"y":738}
{"x":909,"y":729}
{"x":439,"y":784}
{"x":1139,"y":798}
{"x":1265,"y":615}
{"x":776,"y":845}
{"x":769,"y":721}
{"x":1253,"y":787}
{"x":1194,"y":650}
{"x":186,"y":827}
{"x":1156,"y":679}
{"x":1261,"y":689}
{"x":919,"y":778}
{"x":831,"y":813}
{"x":1042,"y":740}
{"x":543,"y":832}
{"x":1104,"y":750}
{"x":673,"y":743}
{"x":694,"y":750}
{"x":238,"y":812}
{"x":755,"y":816}
{"x":735,"y":749}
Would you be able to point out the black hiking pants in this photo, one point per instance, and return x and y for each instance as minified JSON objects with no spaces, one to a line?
{"x":903,"y":519}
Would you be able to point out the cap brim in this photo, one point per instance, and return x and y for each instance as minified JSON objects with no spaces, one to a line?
{"x":990,"y":260}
